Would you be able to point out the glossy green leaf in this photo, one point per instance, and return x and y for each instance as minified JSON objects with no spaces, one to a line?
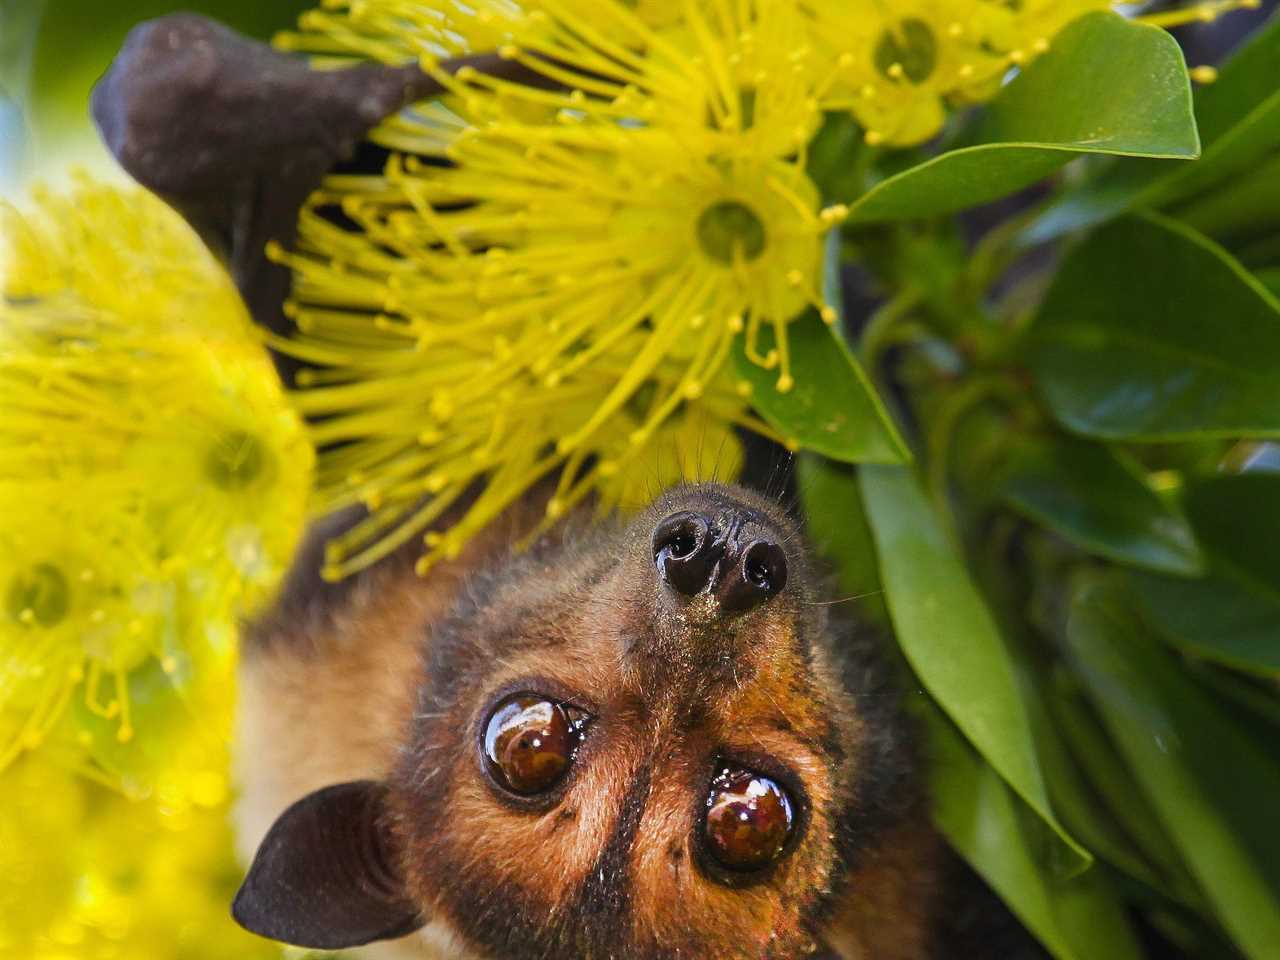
{"x":1151,"y":331}
{"x":1077,"y":917}
{"x":1127,"y":809}
{"x":1084,"y":492}
{"x":1216,"y":618}
{"x":1108,"y":85}
{"x":1231,"y":616}
{"x":950,"y":638}
{"x":1239,"y":120}
{"x":1238,"y":519}
{"x":1213,"y":788}
{"x":829,"y":493}
{"x":1092,"y":793}
{"x":832,"y":407}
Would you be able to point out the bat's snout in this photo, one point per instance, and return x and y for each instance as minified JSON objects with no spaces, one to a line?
{"x":730,"y":556}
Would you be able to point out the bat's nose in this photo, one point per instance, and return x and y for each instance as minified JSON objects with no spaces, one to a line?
{"x":730,"y":557}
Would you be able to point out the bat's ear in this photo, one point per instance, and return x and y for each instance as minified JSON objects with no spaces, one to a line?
{"x":326,"y":875}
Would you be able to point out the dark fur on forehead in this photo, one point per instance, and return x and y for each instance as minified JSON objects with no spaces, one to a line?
{"x":498,"y":605}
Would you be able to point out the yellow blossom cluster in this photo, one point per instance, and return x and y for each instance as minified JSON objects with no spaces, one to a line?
{"x":553,"y":280}
{"x":153,"y":480}
{"x":551,"y":272}
{"x":93,"y":873}
{"x":896,"y":65}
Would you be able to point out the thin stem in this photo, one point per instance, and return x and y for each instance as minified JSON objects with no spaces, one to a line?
{"x":877,"y":335}
{"x":941,"y":432}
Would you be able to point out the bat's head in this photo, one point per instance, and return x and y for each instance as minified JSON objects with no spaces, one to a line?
{"x":638,"y":742}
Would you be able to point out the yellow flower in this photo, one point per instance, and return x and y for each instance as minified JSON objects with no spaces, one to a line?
{"x":901,"y":63}
{"x":41,"y":804}
{"x":119,"y":253}
{"x":698,"y":443}
{"x":153,"y":480}
{"x":95,"y":874}
{"x":564,"y":293}
{"x":82,"y":607}
{"x":408,"y":452}
{"x":591,"y":260}
{"x":399,"y":31}
{"x":745,"y":78}
{"x":898,"y":63}
{"x":227,"y":467}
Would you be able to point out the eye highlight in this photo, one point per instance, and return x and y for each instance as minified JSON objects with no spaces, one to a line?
{"x":749,"y":819}
{"x":529,"y":742}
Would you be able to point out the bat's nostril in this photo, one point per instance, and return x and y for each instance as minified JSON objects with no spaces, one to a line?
{"x":682,"y":545}
{"x":761,"y":574}
{"x":682,"y":552}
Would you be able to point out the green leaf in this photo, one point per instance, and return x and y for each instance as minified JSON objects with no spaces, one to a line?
{"x":1094,"y":795}
{"x":1085,"y":493}
{"x":1257,"y":702}
{"x":1270,"y":278}
{"x":1114,"y":785}
{"x":832,"y":408}
{"x":1240,"y":209}
{"x":1152,"y":331}
{"x":1213,"y":788}
{"x":1107,"y":85}
{"x":1076,"y":918}
{"x":1239,"y":121}
{"x":830,"y":492}
{"x":1238,"y":519}
{"x":950,"y":638}
{"x":1216,"y":618}
{"x":1231,"y":616}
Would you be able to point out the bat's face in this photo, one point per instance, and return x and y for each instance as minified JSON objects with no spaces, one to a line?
{"x":634,"y":745}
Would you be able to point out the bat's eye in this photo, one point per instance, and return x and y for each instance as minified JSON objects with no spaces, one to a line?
{"x":530,"y":741}
{"x":749,"y":819}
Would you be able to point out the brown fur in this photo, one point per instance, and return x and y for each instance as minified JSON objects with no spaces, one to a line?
{"x":391,"y":679}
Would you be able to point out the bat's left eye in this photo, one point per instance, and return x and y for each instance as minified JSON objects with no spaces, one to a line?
{"x":530,"y":742}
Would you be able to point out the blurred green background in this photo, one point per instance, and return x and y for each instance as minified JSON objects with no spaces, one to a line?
{"x":53,"y":51}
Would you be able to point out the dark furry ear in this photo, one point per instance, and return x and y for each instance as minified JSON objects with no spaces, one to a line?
{"x":325,"y":876}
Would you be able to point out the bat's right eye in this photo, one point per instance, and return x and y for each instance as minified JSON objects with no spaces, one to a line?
{"x":749,"y":819}
{"x":530,"y":742}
